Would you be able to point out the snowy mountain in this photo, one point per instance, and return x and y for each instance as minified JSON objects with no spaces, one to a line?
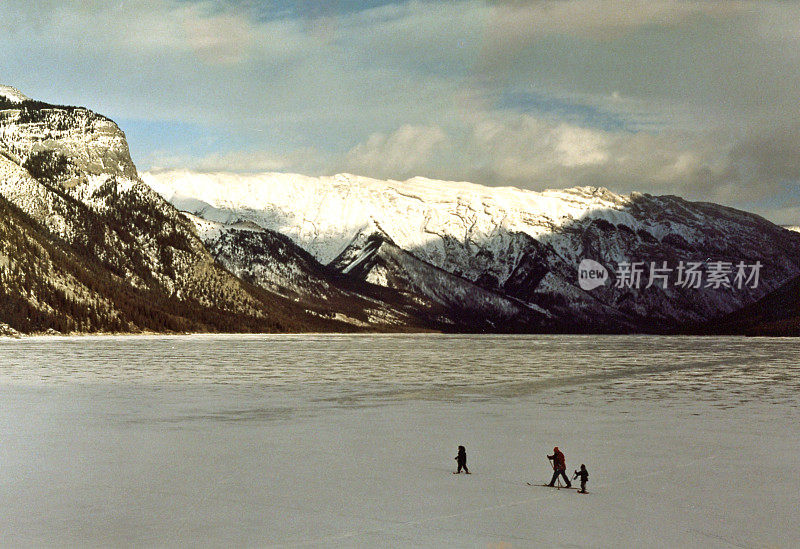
{"x":273,"y":262}
{"x":377,"y":260}
{"x":515,"y":252}
{"x":775,"y":314}
{"x":86,"y":246}
{"x":12,"y":95}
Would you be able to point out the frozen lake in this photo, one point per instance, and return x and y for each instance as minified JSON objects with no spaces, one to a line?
{"x":339,"y":440}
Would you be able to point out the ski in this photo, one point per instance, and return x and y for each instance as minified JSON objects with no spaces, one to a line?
{"x":556,"y":487}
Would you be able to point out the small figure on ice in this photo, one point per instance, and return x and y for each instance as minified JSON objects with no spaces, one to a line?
{"x":559,"y":467}
{"x":583,"y":474}
{"x":461,"y":459}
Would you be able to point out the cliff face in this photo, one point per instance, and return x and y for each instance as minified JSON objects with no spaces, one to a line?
{"x":69,"y":185}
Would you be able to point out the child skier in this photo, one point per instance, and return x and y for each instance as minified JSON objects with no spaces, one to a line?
{"x":461,"y":459}
{"x":583,"y":474}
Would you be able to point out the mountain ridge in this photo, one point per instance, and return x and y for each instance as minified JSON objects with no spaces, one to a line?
{"x":88,"y":244}
{"x":525,"y":245}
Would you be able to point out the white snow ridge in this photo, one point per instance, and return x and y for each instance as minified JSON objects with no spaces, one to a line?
{"x":324,"y":214}
{"x":12,"y":94}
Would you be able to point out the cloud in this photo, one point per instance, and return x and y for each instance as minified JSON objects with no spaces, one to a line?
{"x":407,"y":150}
{"x":412,"y":62}
{"x":515,"y":23}
{"x":770,"y":153}
{"x":224,"y":39}
{"x":537,"y":153}
{"x":307,"y":160}
{"x":695,"y":97}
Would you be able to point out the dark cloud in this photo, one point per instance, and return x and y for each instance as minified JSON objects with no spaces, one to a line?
{"x":699,"y":98}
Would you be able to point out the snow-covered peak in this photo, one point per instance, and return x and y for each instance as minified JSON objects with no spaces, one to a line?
{"x":519,"y":243}
{"x":526,"y":244}
{"x":323,"y":214}
{"x":12,"y":94}
{"x":254,"y":190}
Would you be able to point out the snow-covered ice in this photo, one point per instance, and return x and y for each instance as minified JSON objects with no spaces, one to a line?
{"x":349,"y":441}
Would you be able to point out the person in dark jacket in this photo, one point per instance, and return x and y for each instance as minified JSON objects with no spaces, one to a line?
{"x":559,"y":467}
{"x":583,"y":474}
{"x":461,"y":459}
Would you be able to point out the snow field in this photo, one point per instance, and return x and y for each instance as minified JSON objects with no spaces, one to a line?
{"x":165,"y":467}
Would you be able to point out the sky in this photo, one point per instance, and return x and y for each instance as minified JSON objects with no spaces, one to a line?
{"x":695,"y":98}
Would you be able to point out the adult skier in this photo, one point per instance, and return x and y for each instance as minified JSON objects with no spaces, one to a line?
{"x":559,"y":467}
